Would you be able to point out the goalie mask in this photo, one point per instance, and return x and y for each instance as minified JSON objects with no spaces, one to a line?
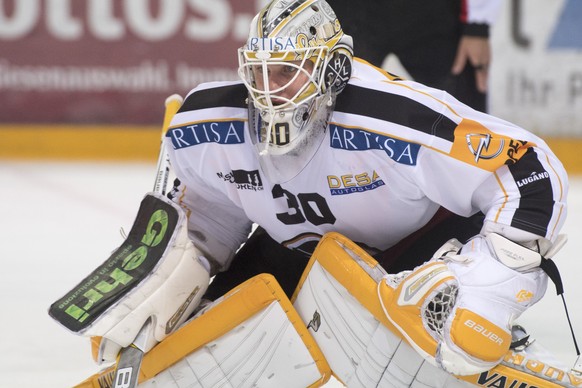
{"x":296,"y":60}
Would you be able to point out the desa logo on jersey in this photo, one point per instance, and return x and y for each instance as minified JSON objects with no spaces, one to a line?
{"x":354,"y":183}
{"x":357,"y":139}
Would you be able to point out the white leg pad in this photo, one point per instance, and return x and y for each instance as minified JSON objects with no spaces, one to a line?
{"x":340,"y":285}
{"x":251,"y":337}
{"x":267,"y":345}
{"x":262,"y":351}
{"x":365,"y":350}
{"x":356,"y":346}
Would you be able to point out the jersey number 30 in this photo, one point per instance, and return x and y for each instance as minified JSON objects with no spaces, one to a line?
{"x":303,"y":207}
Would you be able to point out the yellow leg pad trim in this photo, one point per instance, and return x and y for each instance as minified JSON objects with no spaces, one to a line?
{"x":359,"y":273}
{"x":479,"y":337}
{"x":524,"y":374}
{"x":95,"y":343}
{"x":234,"y":308}
{"x":338,"y":254}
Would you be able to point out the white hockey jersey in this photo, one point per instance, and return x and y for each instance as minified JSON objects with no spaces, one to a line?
{"x":395,"y":151}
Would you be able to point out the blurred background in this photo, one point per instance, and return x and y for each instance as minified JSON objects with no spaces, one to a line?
{"x":82,"y":88}
{"x":87,"y":79}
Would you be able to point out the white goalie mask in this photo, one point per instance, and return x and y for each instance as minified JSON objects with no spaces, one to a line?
{"x":296,"y":60}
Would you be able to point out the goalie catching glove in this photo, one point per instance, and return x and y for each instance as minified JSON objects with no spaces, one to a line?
{"x":157,"y":272}
{"x":457,"y":310}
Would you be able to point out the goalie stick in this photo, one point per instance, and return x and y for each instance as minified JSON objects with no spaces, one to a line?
{"x":129,"y":361}
{"x":127,"y":368}
{"x":172,"y":104}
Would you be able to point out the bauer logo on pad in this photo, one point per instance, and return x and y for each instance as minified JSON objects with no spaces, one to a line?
{"x":123,"y":270}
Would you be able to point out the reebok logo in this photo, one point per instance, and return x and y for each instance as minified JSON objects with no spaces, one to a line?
{"x":243,"y":179}
{"x":171,"y":324}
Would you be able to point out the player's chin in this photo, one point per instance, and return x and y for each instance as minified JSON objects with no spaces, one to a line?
{"x":276,"y":101}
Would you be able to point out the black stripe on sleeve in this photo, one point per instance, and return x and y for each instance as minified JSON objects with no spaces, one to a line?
{"x":225,"y":96}
{"x":537,"y":198}
{"x":396,"y":109}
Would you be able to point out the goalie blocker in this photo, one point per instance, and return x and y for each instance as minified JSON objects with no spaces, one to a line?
{"x":337,"y":321}
{"x":155,"y":274}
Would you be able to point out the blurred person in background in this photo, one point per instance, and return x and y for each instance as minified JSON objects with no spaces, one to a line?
{"x":441,"y":43}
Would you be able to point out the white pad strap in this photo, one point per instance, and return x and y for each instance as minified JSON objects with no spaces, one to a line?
{"x":513,"y":255}
{"x":524,"y":259}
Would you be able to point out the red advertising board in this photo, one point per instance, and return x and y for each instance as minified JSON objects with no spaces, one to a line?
{"x":113,"y":61}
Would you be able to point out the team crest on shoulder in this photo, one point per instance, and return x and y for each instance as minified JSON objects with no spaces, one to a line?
{"x":481,"y":146}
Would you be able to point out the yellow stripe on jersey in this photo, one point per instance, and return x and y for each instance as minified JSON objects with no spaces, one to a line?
{"x":505,"y":198}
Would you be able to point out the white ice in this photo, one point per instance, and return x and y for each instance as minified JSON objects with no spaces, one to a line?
{"x":61,"y":220}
